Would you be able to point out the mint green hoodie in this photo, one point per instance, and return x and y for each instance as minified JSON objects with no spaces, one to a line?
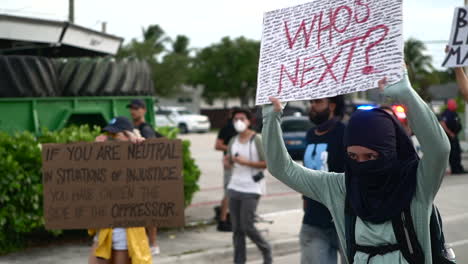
{"x":329,"y":188}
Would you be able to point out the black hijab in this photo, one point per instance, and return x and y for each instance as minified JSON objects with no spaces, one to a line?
{"x":378,"y":190}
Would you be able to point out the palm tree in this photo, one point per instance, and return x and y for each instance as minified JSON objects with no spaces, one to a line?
{"x":155,"y":37}
{"x":181,"y":45}
{"x":175,"y":68}
{"x":419,"y":66}
{"x":153,"y":44}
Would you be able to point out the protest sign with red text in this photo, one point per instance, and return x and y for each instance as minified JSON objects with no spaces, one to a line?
{"x":325,"y":48}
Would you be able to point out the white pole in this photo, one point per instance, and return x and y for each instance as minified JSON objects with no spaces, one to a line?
{"x":466,"y":103}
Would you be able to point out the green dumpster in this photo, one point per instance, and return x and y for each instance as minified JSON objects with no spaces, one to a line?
{"x":37,"y":92}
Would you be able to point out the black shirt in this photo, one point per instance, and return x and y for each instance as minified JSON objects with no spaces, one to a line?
{"x":227,"y":132}
{"x":452,"y":121}
{"x":147,"y":131}
{"x":325,"y":153}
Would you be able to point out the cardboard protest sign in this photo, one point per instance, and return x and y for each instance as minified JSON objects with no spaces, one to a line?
{"x":327,"y":47}
{"x":457,"y":56}
{"x":113,"y":184}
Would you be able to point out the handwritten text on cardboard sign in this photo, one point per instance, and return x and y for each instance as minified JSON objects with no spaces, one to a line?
{"x":325,"y":48}
{"x":113,"y":184}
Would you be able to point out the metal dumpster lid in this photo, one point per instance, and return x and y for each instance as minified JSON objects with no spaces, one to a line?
{"x":33,"y":36}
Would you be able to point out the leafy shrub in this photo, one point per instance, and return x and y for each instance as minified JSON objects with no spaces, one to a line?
{"x":191,"y":171}
{"x":70,"y":134}
{"x":21,"y":197}
{"x":20,"y":189}
{"x":21,"y":209}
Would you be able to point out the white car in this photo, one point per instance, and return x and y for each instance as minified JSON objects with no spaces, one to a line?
{"x":162,"y":118}
{"x":182,"y":118}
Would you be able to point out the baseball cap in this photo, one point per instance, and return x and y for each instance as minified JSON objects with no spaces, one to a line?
{"x":137,"y":103}
{"x":118,"y":124}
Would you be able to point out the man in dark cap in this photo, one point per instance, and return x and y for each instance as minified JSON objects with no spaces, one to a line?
{"x":138,"y":111}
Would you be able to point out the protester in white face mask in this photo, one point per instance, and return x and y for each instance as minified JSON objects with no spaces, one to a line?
{"x":240,"y":126}
{"x":246,"y":157}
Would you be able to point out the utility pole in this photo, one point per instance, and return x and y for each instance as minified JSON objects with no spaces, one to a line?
{"x":71,"y":11}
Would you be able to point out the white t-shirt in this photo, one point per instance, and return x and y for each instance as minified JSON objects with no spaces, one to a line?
{"x":241,"y":178}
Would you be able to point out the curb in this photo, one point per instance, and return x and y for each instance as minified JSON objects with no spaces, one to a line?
{"x":220,"y":255}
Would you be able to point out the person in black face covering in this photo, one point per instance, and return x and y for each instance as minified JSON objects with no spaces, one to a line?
{"x":382,"y":177}
{"x":380,"y":166}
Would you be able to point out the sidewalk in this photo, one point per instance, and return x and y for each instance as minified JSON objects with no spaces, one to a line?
{"x":191,"y":245}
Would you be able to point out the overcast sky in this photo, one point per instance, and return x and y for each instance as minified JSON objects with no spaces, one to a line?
{"x":207,"y":21}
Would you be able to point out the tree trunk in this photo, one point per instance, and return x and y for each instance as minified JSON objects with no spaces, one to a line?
{"x":244,"y":101}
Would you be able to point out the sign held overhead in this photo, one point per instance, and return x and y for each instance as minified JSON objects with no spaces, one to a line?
{"x":326,"y":48}
{"x":457,"y":54}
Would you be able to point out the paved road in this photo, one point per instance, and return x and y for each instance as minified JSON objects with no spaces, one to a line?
{"x":279,"y":197}
{"x":289,"y":259}
{"x":451,"y":198}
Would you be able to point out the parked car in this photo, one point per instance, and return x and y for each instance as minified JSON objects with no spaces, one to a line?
{"x":163,"y":119}
{"x":294,"y":134}
{"x":293,"y":110}
{"x":182,"y":118}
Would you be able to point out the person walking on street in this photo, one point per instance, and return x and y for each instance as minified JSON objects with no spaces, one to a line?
{"x":224,"y":136}
{"x":138,"y":111}
{"x":383,"y":177}
{"x":452,"y":126}
{"x":324,"y":152}
{"x":247,"y":184}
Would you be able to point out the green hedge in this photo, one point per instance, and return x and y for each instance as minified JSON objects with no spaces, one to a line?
{"x":21,"y":210}
{"x":191,"y":171}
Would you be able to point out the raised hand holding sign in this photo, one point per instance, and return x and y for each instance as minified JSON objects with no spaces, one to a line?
{"x":322,"y":49}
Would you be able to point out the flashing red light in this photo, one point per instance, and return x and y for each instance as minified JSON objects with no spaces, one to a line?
{"x":399,"y":111}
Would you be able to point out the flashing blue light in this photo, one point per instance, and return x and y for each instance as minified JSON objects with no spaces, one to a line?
{"x":366,"y":107}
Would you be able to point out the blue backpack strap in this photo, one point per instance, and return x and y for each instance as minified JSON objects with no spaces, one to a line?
{"x":350,"y":227}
